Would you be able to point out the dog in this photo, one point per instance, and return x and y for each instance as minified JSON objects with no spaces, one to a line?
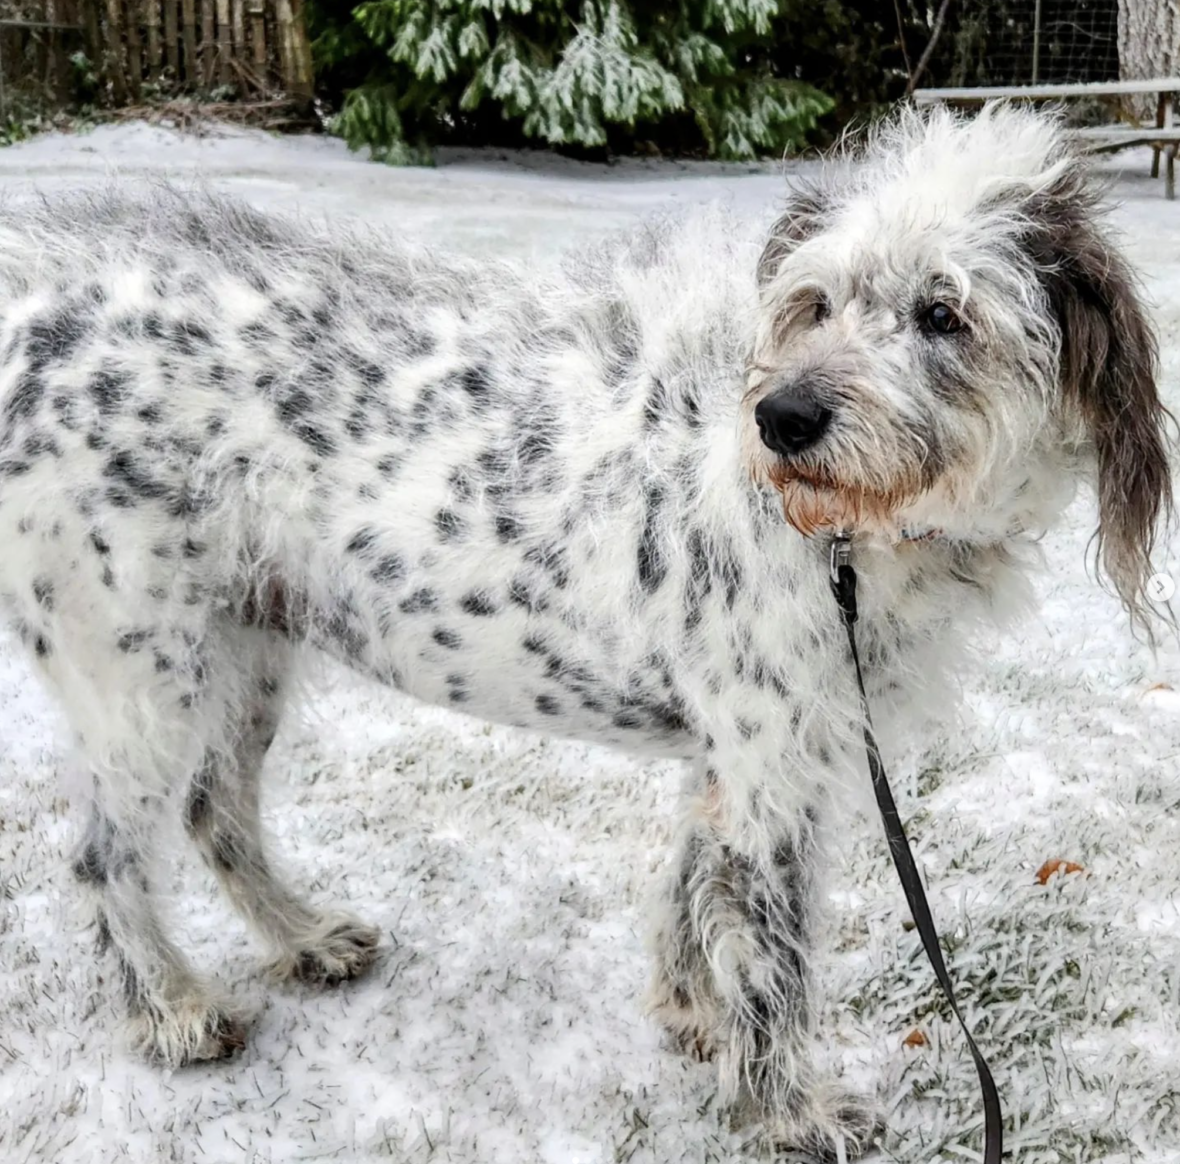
{"x":594,"y":502}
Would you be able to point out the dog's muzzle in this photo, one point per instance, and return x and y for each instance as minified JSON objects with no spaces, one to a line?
{"x":791,"y":422}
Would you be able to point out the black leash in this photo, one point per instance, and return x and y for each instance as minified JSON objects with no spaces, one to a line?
{"x":843,"y":579}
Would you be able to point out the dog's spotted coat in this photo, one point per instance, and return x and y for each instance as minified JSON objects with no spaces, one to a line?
{"x":541,"y":498}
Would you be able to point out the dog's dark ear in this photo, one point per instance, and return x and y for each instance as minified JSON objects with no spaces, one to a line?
{"x":801,"y":218}
{"x":1109,"y":363}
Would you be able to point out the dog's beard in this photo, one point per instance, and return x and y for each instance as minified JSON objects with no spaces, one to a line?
{"x":813,"y":501}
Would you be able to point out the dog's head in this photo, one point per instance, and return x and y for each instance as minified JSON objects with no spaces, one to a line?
{"x":947,"y":339}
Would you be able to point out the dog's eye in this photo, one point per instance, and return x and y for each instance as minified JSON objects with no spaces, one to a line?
{"x":941,"y":319}
{"x":822,"y":309}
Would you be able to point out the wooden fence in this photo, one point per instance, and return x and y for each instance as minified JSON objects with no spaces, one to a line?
{"x":136,"y":49}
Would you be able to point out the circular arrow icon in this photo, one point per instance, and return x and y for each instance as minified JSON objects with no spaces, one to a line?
{"x":1160,"y":588}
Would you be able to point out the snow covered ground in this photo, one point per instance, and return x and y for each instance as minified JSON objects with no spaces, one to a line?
{"x":504,"y":1023}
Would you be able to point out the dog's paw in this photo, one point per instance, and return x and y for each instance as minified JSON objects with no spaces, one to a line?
{"x":830,"y":1121}
{"x":194,"y":1031}
{"x":341,"y":949}
{"x":690,"y":1022}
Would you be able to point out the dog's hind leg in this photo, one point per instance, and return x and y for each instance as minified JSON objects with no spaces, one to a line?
{"x":221,"y":813}
{"x":175,"y":1017}
{"x":139,"y":698}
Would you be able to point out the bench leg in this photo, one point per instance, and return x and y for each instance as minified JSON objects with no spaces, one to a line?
{"x":1170,"y":187}
{"x":1161,"y":117}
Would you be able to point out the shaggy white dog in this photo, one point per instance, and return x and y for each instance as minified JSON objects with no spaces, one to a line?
{"x":558,"y":501}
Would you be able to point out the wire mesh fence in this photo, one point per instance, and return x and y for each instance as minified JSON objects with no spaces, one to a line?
{"x":1024,"y":42}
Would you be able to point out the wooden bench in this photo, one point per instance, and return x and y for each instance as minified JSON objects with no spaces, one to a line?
{"x":1163,"y":137}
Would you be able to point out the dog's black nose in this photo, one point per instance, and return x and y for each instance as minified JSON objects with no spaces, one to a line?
{"x":789,"y":423}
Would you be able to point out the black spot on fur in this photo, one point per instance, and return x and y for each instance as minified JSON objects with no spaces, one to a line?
{"x":447,"y":638}
{"x":388,"y":568}
{"x":449,"y":525}
{"x":124,"y":469}
{"x":508,"y":528}
{"x":476,"y":382}
{"x":362,"y":541}
{"x":133,"y":640}
{"x":109,"y":390}
{"x":418,"y":602}
{"x":38,"y":444}
{"x":54,"y":338}
{"x":548,"y":705}
{"x":418,"y":344}
{"x":91,"y":865}
{"x":727,"y":572}
{"x":479,"y":603}
{"x":700,"y":579}
{"x":371,"y":375}
{"x":554,"y":559}
{"x":457,"y":688}
{"x":522,"y":593}
{"x":460,"y":484}
{"x":747,"y":729}
{"x":292,"y":407}
{"x":652,"y":567}
{"x":389,"y":464}
{"x":533,"y":447}
{"x":341,"y":630}
{"x":43,"y":592}
{"x":315,"y":438}
{"x":187,"y":337}
{"x":25,"y":397}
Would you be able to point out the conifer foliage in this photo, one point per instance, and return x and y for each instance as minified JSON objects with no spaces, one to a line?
{"x":690,"y":76}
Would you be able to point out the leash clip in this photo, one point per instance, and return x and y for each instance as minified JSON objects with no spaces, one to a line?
{"x":842,"y":575}
{"x":840,"y":554}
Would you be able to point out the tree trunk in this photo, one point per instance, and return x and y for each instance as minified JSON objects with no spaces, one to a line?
{"x":154,"y":55}
{"x":114,"y":52}
{"x":258,"y":39}
{"x":1149,"y":46}
{"x":172,"y":40}
{"x":92,"y":33}
{"x":56,"y":13}
{"x":134,"y":48}
{"x":192,"y":71}
{"x":225,"y":50}
{"x":208,"y":44}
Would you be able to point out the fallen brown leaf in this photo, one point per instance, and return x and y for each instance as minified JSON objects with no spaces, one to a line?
{"x":1057,"y":865}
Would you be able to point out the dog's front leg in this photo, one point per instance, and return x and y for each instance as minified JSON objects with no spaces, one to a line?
{"x":735,"y":951}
